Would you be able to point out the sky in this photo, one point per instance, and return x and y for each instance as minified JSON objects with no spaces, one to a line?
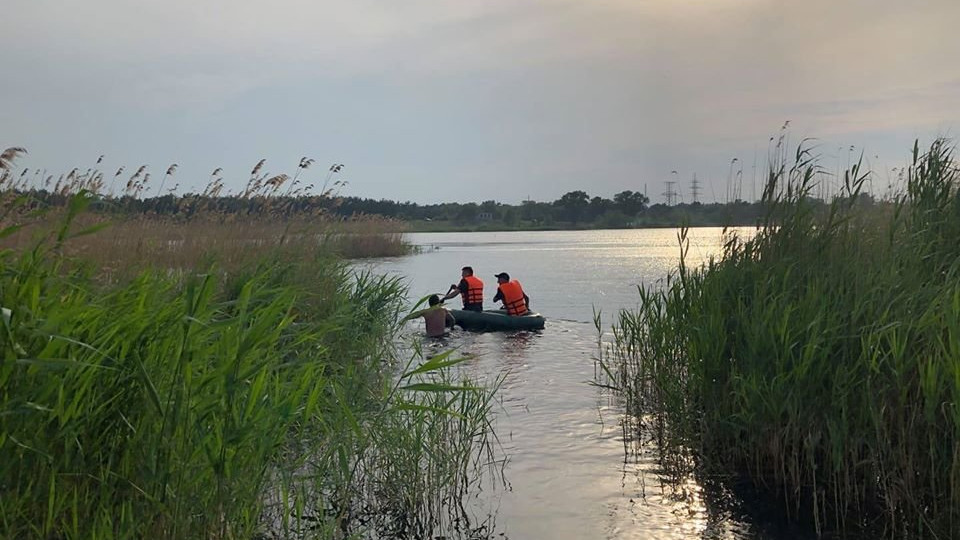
{"x":431,"y":101}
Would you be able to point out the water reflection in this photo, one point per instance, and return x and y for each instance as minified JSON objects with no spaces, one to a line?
{"x":514,"y":347}
{"x":570,"y":472}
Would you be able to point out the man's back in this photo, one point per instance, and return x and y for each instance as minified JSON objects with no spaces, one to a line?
{"x":436,"y":321}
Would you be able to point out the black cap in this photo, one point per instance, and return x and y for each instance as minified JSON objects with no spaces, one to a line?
{"x":503,"y":275}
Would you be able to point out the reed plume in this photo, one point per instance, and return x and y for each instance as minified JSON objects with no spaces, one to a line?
{"x":8,"y":156}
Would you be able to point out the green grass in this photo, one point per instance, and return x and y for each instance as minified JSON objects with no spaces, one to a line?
{"x":210,"y":404}
{"x":820,"y":359}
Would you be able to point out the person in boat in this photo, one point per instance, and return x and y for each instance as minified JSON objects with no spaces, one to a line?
{"x":470,"y":290}
{"x":509,"y":291}
{"x":436,"y":317}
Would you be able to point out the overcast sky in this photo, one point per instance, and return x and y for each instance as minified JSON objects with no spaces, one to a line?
{"x":458,"y":100}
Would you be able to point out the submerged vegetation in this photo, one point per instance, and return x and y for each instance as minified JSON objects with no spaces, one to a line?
{"x":821,"y":358}
{"x":260,"y":398}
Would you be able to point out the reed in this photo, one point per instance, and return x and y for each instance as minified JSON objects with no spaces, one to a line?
{"x":820,"y":358}
{"x":206,"y":403}
{"x":125,"y":246}
{"x":275,"y":216}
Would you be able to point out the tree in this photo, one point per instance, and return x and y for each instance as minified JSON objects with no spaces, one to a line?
{"x":630,"y":202}
{"x":573,"y":205}
{"x":467,"y":213}
{"x":614,"y":220}
{"x":511,"y":216}
{"x":598,"y":207}
{"x":489,"y":206}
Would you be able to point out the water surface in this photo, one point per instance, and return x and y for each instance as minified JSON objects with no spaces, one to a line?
{"x":567,"y":473}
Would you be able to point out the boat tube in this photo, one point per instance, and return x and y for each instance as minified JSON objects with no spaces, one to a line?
{"x":497,"y":320}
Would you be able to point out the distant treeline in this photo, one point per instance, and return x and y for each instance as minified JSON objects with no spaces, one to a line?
{"x":284,"y":196}
{"x":576,"y":209}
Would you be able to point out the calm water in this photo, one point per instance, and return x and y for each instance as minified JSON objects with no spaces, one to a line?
{"x":567,"y":473}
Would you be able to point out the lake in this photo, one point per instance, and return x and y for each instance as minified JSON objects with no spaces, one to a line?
{"x":567,"y":473}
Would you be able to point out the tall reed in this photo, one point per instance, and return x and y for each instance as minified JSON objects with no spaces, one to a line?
{"x":211,"y":404}
{"x":821,"y":358}
{"x":273,"y":214}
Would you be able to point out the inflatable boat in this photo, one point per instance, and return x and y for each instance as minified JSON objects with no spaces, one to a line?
{"x":497,"y":320}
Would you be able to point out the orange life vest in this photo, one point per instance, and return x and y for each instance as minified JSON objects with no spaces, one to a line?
{"x":513,"y":297}
{"x":474,"y":294}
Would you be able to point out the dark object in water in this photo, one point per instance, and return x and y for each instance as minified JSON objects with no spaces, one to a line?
{"x":497,"y":320}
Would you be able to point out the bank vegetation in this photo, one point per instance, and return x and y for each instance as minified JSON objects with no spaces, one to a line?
{"x":819,"y":359}
{"x":217,"y":378}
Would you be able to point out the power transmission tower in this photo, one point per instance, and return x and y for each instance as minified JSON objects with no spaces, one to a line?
{"x":669,"y":194}
{"x":695,"y":189}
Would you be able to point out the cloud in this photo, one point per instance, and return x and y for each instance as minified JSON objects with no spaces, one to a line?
{"x":541,"y":94}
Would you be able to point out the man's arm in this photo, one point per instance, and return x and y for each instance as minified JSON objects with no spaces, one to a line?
{"x":421,"y":313}
{"x":458,"y":289}
{"x":414,"y":315}
{"x":499,"y":296}
{"x":452,"y":292}
{"x":526,"y":300}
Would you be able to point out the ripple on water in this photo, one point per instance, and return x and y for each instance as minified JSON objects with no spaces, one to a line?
{"x":567,"y":474}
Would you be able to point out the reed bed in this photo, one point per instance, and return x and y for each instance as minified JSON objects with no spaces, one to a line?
{"x":820,"y":359}
{"x":123,"y":247}
{"x":274,"y":215}
{"x":266,"y":400}
{"x":126,"y":245}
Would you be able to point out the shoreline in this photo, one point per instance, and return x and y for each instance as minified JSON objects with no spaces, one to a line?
{"x":429,"y":227}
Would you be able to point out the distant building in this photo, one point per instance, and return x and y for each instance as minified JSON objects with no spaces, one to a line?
{"x":485,"y":216}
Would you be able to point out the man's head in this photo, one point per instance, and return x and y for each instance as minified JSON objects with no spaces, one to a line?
{"x":466,"y":271}
{"x":502,"y":277}
{"x":433,"y":300}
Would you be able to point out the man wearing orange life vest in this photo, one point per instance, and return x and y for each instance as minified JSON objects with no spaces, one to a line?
{"x":470,"y":290}
{"x":515,"y":301}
